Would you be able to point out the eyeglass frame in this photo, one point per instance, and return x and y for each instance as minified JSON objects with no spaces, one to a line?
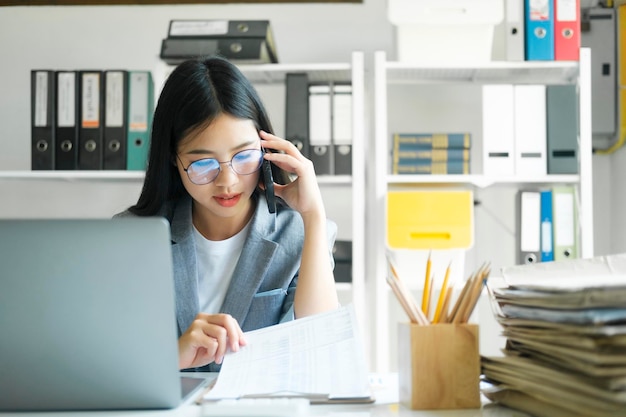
{"x":219,"y":165}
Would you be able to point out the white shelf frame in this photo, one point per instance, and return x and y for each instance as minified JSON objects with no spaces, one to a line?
{"x":120,"y":175}
{"x":528,"y":72}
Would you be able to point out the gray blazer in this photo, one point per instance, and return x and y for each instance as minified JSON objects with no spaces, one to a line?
{"x":262,"y":288}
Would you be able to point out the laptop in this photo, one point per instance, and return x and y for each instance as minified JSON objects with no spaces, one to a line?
{"x":87,"y":316}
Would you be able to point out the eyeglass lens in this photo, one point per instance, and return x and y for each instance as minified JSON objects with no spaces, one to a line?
{"x":245,"y":162}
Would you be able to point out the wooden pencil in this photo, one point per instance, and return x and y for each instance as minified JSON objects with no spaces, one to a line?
{"x":442,"y":295}
{"x":459,"y":300}
{"x":475,"y":296}
{"x":475,"y":284}
{"x":405,"y":306}
{"x":406,"y":295}
{"x":426,"y":286}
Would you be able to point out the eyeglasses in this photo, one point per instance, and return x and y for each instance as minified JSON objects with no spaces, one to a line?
{"x":204,"y":171}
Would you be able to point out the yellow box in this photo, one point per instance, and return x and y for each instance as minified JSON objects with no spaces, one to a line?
{"x":438,"y":366}
{"x":430,"y":219}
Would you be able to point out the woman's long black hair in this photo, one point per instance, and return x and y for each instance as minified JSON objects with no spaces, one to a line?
{"x":195,"y":93}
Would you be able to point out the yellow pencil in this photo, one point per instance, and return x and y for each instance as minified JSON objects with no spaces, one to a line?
{"x":426,"y":286}
{"x":442,"y":294}
{"x":430,"y":296}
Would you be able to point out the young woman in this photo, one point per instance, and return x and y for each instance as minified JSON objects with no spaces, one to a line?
{"x":237,"y":267}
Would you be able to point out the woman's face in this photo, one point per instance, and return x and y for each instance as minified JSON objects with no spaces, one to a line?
{"x":228,"y":195}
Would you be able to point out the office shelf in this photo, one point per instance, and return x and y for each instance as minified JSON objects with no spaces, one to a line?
{"x":124,"y":176}
{"x":403,"y":91}
{"x":480,"y":181}
{"x":527,"y":72}
{"x":73,"y":175}
{"x":317,"y":73}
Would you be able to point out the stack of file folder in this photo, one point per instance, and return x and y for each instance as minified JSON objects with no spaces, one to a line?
{"x":565,"y":324}
{"x":431,"y":153}
{"x":241,"y":41}
{"x":96,"y":119}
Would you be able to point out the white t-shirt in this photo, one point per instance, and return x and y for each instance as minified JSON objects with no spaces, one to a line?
{"x":216,"y":264}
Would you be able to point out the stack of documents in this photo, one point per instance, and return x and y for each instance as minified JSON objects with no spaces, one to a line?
{"x":565,"y":324}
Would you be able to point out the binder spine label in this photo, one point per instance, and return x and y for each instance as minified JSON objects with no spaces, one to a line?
{"x":198,"y":27}
{"x":41,"y":99}
{"x":565,"y":222}
{"x":114,"y":106}
{"x":546,"y":237}
{"x":539,"y":10}
{"x":66,"y":104}
{"x":342,"y":114}
{"x":319,"y":115}
{"x":138,"y":120}
{"x":566,"y":12}
{"x":513,"y":14}
{"x":91,"y":101}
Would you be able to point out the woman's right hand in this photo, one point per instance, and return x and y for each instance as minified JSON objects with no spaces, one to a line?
{"x":207,"y":338}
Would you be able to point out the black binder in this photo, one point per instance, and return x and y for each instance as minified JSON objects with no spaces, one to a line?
{"x":66,"y":133}
{"x":342,"y":253}
{"x":115,"y":119}
{"x":297,"y":111}
{"x":42,"y":105}
{"x":90,"y":130}
{"x":221,"y":29}
{"x":239,"y":50}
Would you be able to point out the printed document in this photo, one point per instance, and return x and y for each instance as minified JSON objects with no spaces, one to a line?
{"x":320,"y":357}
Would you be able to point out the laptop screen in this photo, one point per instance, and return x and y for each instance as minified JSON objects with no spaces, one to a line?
{"x":87,"y":315}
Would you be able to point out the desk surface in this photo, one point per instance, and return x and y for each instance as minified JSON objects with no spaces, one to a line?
{"x":385,"y":387}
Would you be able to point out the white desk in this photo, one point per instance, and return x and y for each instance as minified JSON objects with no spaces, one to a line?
{"x":385,"y":389}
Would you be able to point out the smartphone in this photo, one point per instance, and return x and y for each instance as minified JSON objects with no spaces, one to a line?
{"x":268,"y":182}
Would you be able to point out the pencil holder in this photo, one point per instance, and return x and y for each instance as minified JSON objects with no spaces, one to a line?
{"x":439,"y":366}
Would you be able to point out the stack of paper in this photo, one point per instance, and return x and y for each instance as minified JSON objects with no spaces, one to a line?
{"x":565,"y":324}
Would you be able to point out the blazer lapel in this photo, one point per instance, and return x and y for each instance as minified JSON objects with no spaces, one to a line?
{"x":184,"y":256}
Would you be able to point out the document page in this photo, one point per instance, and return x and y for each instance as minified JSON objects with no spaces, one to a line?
{"x":316,"y":356}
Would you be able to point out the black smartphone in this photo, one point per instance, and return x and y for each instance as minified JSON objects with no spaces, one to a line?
{"x":268,"y":182}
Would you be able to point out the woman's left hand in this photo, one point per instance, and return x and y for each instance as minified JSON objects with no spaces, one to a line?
{"x":303,"y":194}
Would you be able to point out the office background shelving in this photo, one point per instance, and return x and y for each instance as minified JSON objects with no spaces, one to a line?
{"x":366,"y":290}
{"x":395,"y":85}
{"x":339,"y":192}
